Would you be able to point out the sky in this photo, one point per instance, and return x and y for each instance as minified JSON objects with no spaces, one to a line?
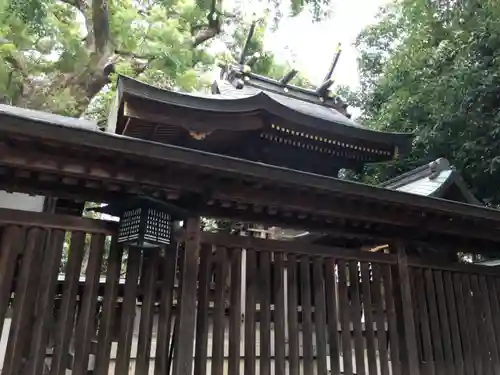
{"x":310,"y":47}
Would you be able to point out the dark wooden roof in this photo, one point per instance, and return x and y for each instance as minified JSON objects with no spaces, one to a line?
{"x":42,"y":156}
{"x":235,"y":116}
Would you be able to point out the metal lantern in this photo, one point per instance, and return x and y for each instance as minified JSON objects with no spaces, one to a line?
{"x":145,"y":226}
{"x":144,"y":222}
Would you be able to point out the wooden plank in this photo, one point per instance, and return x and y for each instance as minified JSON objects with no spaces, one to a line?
{"x":251,"y":290}
{"x":472,"y":325}
{"x":359,"y":344}
{"x":305,"y":299}
{"x":434,"y":322}
{"x":444,"y":324}
{"x":265,"y":313}
{"x":147,"y":311}
{"x":454,"y":267}
{"x":482,"y":329}
{"x":45,"y":303}
{"x":332,"y":316}
{"x":391,"y":318}
{"x":292,"y":304}
{"x":85,"y":329}
{"x":168,"y":266}
{"x":345,"y":325}
{"x":460,"y":297}
{"x":219,"y":311}
{"x":183,"y":359}
{"x":428,"y":355}
{"x":380,"y":319}
{"x":106,"y":323}
{"x":24,"y":304}
{"x":12,"y":243}
{"x":65,"y":320}
{"x":128,"y":311}
{"x":320,"y":315}
{"x":56,"y":221}
{"x":235,"y":314}
{"x":410,"y":343}
{"x":366,"y":285}
{"x":489,"y":325}
{"x":202,"y":326}
{"x":295,"y":247}
{"x":279,"y":318}
{"x":495,"y":310}
{"x":449,"y":291}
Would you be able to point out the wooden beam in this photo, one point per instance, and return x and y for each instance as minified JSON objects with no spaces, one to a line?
{"x":184,"y":344}
{"x":230,"y":241}
{"x":56,"y":221}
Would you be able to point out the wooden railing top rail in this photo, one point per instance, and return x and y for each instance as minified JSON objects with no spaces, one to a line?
{"x":245,"y":242}
{"x":454,"y":267}
{"x":56,"y":221}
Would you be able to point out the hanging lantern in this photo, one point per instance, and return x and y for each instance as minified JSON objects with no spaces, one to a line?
{"x":144,"y":222}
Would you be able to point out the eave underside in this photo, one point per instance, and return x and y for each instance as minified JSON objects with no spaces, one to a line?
{"x":40,"y":158}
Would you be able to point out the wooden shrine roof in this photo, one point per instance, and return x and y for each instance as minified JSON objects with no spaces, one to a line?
{"x":232,"y":109}
{"x":44,"y":155}
{"x":435,"y":179}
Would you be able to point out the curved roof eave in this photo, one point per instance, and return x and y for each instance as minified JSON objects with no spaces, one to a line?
{"x":261,"y":101}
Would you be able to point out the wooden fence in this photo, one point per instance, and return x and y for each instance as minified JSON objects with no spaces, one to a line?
{"x":261,"y":307}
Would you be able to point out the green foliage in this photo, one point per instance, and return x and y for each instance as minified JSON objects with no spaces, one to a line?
{"x":433,"y":68}
{"x":49,"y":59}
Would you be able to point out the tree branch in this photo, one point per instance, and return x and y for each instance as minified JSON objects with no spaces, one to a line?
{"x":100,"y":20}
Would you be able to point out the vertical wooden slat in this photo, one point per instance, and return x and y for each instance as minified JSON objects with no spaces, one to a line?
{"x":482,"y":329}
{"x":359,"y":345}
{"x":495,"y":310}
{"x":366,"y":284}
{"x":345,"y":318}
{"x":200,"y":350}
{"x":235,"y":314}
{"x":305,"y":294}
{"x":219,"y":311}
{"x":463,"y":324}
{"x":444,"y":323}
{"x":108,"y":309}
{"x":381,"y":321}
{"x":85,"y":326}
{"x":265,"y":313}
{"x":391,"y":318}
{"x":168,"y":266}
{"x":292,"y":304}
{"x":44,"y":309}
{"x":252,"y":280}
{"x":409,"y":349}
{"x":434,"y":322}
{"x":128,"y":311}
{"x":68,"y":303}
{"x":279,"y":317}
{"x":472,"y":325}
{"x":320,"y":315}
{"x":147,"y":312}
{"x":11,"y":245}
{"x":24,"y":303}
{"x":454,"y":326}
{"x":183,"y":360}
{"x":428,"y":356}
{"x":490,"y":328}
{"x":333,"y":329}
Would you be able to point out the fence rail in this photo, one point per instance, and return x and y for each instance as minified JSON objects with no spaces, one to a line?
{"x":240,"y":306}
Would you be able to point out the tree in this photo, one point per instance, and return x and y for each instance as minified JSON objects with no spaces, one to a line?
{"x":62,"y":55}
{"x":432,"y":68}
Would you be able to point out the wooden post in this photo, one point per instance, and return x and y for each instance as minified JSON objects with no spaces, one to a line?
{"x":409,"y":355}
{"x":184,"y":343}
